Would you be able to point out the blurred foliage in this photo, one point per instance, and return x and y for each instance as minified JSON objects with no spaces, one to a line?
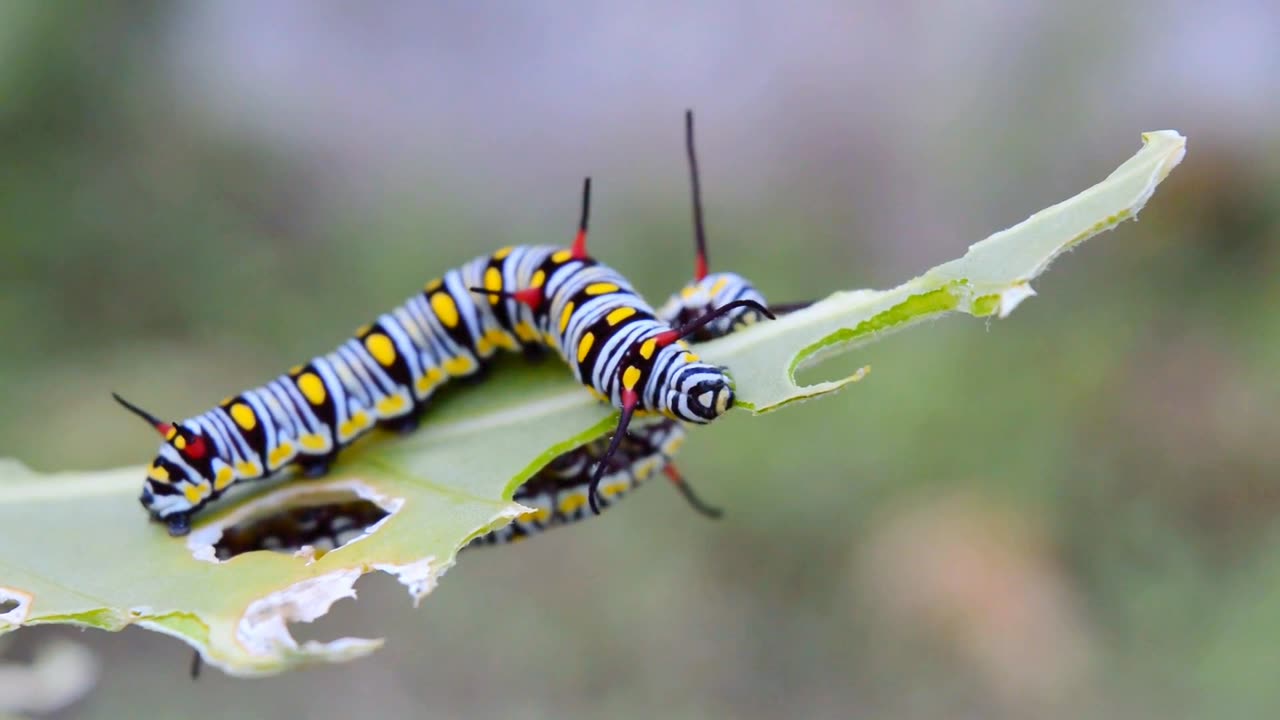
{"x":1122,"y":530}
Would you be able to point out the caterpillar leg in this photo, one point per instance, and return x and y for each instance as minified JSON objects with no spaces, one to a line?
{"x":403,"y":425}
{"x":478,"y":377}
{"x":179,"y":524}
{"x":316,"y":466}
{"x":534,"y":353}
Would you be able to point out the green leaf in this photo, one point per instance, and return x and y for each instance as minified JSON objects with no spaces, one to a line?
{"x":78,"y":550}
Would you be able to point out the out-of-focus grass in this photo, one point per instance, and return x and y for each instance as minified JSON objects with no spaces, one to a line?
{"x":1099,"y":541}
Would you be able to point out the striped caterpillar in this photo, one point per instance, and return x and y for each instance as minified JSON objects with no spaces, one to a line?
{"x":558,"y":493}
{"x":516,"y":298}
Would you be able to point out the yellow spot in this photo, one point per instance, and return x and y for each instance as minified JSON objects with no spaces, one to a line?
{"x":312,"y":442}
{"x":630,"y":377}
{"x":248,"y":470}
{"x":619,"y":315}
{"x":292,"y":371}
{"x":358,"y":422}
{"x":503,"y":253}
{"x":500,"y":338}
{"x":159,"y":474}
{"x":429,"y":380}
{"x":526,"y":333}
{"x":613,"y":489}
{"x":535,"y":515}
{"x":584,"y":346}
{"x":460,"y":365}
{"x":224,"y":478}
{"x":170,"y":433}
{"x":360,"y":331}
{"x":381,"y":348}
{"x":180,"y":443}
{"x":312,"y":388}
{"x":673,"y":445}
{"x":601,"y":288}
{"x":688,"y":291}
{"x":572,"y":503}
{"x":434,"y":285}
{"x":646,"y":350}
{"x":244,"y":417}
{"x":539,"y":277}
{"x":281,"y":454}
{"x":493,"y":281}
{"x":195,"y":492}
{"x":562,"y":257}
{"x":225,"y":401}
{"x":550,"y":340}
{"x":564,"y":317}
{"x":445,"y":309}
{"x":691,"y":358}
{"x":646,"y":468}
{"x":390,"y":405}
{"x":484,"y":348}
{"x":715,"y":289}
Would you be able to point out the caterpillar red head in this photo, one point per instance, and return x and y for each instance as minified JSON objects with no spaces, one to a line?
{"x":178,"y":480}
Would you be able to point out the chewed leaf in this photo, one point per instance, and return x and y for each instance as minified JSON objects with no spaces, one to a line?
{"x":992,"y":278}
{"x":77,"y":548}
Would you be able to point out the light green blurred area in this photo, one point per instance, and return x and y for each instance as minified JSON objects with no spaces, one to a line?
{"x":1067,"y":513}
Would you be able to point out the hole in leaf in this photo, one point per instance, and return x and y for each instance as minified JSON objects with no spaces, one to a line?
{"x":323,"y":527}
{"x":14,"y":605}
{"x":306,"y":520}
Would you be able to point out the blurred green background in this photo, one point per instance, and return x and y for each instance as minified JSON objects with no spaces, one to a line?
{"x":1067,"y":513}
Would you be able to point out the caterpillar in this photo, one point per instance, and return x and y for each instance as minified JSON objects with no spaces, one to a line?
{"x":558,"y":494}
{"x":518,"y":298}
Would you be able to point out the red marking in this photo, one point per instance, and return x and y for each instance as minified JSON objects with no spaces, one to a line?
{"x":630,"y":399}
{"x":699,"y":268}
{"x":196,"y":449}
{"x":666,"y":337}
{"x":673,"y":474}
{"x":580,"y":245}
{"x":529,"y":296}
{"x":163,"y":428}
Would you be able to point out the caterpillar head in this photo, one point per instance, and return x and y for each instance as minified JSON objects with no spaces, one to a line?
{"x":701,"y":393}
{"x":714,"y":290}
{"x":176,"y":484}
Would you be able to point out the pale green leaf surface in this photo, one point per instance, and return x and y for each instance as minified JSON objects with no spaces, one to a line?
{"x":77,"y":548}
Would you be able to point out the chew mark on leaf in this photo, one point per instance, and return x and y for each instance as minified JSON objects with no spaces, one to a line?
{"x":203,"y":540}
{"x":14,"y":606}
{"x":263,"y":630}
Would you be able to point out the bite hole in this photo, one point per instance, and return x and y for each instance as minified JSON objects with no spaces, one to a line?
{"x":14,"y":605}
{"x":306,"y":521}
{"x":324,"y":527}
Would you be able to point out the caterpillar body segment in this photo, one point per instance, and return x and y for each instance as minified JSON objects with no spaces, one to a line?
{"x":557,"y":494}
